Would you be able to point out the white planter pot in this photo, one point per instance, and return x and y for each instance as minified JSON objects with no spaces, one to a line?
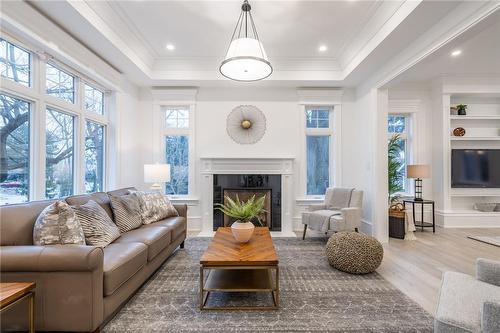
{"x":242,"y":232}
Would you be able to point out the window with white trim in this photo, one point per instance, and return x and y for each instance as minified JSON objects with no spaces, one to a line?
{"x":399,"y":125}
{"x":176,"y":138}
{"x":319,"y":157}
{"x":68,"y":132}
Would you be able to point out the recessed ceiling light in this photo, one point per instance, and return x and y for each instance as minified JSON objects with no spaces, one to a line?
{"x":322,"y":48}
{"x":170,"y":47}
{"x":456,"y":53}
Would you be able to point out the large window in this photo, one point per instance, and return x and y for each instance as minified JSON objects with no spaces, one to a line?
{"x":14,"y":150}
{"x":15,"y":63}
{"x":59,"y":150}
{"x":60,"y":84}
{"x":398,"y":131}
{"x":319,"y":133}
{"x":176,"y":142}
{"x":94,"y":157}
{"x":48,"y":148}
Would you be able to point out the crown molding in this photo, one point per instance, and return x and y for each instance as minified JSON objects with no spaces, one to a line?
{"x":404,"y":105}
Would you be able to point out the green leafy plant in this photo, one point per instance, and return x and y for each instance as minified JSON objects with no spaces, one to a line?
{"x":394,"y":165}
{"x":462,"y":109}
{"x":244,"y":211}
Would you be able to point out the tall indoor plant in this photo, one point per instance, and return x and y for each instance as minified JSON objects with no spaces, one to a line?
{"x":244,"y":212}
{"x":394,"y":166}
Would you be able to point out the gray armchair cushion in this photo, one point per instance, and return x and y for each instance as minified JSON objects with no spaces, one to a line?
{"x":488,"y":271}
{"x":460,"y":302}
{"x":338,"y":198}
{"x":490,"y":322}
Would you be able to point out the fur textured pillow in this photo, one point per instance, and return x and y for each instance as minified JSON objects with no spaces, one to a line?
{"x":155,"y":206}
{"x":127,"y":211}
{"x":57,"y":224}
{"x":97,"y":226}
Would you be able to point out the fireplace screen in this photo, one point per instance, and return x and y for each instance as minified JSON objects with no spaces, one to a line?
{"x":244,"y":195}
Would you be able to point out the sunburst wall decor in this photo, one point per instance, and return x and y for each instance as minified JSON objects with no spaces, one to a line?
{"x":246,"y":124}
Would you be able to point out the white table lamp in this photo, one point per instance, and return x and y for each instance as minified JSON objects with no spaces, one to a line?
{"x":156,"y":174}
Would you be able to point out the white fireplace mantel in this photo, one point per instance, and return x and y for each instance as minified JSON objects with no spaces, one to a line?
{"x":233,"y":165}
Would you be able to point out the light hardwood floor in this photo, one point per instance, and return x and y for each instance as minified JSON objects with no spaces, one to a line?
{"x":416,"y":267}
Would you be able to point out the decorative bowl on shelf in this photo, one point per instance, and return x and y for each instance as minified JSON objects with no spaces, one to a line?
{"x":459,"y":131}
{"x":486,"y":207}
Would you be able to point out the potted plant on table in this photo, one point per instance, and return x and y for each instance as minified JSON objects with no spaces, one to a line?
{"x":244,"y":212}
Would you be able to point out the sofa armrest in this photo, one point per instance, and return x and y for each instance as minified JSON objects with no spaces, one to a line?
{"x":52,"y":258}
{"x":490,"y":319}
{"x":314,"y":207}
{"x":182,"y":210}
{"x":488,"y":271}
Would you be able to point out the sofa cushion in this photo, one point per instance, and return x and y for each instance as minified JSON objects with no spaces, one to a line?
{"x":57,"y":224}
{"x":460,"y":302}
{"x":156,"y":239}
{"x":121,"y":262}
{"x":155,"y":206}
{"x":127,"y":212}
{"x":100,"y":197}
{"x":176,"y":224}
{"x":97,"y":226}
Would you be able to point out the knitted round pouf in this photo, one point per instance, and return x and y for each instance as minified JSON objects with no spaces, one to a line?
{"x":354,"y":253}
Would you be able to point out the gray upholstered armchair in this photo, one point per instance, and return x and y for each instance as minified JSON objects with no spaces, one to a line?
{"x":341,"y":211}
{"x":468,"y":304}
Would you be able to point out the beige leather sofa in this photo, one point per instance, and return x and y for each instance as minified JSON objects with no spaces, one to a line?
{"x":78,"y":288}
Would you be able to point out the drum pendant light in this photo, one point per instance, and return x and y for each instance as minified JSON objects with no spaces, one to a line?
{"x":245,"y":58}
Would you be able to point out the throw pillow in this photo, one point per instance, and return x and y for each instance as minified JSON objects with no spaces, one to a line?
{"x":127,"y":211}
{"x":97,"y":226}
{"x":155,"y":206}
{"x":58,"y":224}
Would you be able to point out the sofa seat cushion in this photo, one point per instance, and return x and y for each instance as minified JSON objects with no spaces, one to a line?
{"x":176,"y":224}
{"x":460,"y":302}
{"x":156,"y":239}
{"x":121,"y":262}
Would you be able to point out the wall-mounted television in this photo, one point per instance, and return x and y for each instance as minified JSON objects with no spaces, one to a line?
{"x":475,"y":168}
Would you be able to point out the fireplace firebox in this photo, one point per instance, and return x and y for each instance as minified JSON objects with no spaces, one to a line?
{"x":245,"y":186}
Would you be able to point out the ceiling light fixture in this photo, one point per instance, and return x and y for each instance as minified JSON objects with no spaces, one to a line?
{"x":322,"y":48}
{"x":170,"y":47}
{"x":245,"y":58}
{"x":456,"y":53}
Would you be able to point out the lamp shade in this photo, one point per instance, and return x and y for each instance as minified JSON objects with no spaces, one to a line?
{"x":246,"y":60}
{"x":156,"y":173}
{"x":418,"y":171}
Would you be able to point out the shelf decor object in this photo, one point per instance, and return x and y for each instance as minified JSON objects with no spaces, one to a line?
{"x":417,"y":172}
{"x":156,"y":174}
{"x":246,"y":124}
{"x":246,"y":59}
{"x":459,"y":131}
{"x":462,"y":109}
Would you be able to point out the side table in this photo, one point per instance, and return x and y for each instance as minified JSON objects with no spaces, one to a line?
{"x":422,"y":224}
{"x":12,"y":293}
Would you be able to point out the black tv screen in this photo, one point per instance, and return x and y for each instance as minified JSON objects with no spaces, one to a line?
{"x":475,"y":168}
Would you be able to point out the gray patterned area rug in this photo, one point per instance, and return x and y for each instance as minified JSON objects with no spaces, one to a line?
{"x":314,"y":298}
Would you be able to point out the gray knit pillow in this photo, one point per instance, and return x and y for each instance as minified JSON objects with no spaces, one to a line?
{"x":97,"y":226}
{"x":127,"y":212}
{"x":57,"y":224}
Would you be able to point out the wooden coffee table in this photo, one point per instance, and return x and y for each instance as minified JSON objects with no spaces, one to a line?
{"x":235,"y":267}
{"x":12,"y":293}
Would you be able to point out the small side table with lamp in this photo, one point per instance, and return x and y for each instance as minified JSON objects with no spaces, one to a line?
{"x":418,"y":172}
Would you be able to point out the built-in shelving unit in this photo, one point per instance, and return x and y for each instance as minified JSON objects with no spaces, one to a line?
{"x":482,"y":131}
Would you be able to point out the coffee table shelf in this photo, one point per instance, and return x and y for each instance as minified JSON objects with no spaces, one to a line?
{"x":239,"y":280}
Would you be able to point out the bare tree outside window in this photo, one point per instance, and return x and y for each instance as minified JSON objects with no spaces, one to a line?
{"x":60,"y":84}
{"x":177,"y":155}
{"x":14,"y":150}
{"x":15,"y":63}
{"x":59,"y":158}
{"x":94,"y":157}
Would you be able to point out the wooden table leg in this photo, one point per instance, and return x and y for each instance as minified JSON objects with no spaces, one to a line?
{"x":201,"y":287}
{"x":31,"y":312}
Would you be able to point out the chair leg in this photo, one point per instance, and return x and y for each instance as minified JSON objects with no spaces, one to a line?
{"x":304,"y":234}
{"x":182,"y":245}
{"x":356,"y":229}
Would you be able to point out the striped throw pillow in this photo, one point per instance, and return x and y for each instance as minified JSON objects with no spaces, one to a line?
{"x":127,"y":212}
{"x":97,"y":226}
